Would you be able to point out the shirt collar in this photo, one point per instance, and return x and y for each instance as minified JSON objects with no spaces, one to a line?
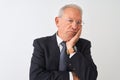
{"x":59,"y":40}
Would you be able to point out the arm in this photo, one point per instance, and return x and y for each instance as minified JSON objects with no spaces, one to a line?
{"x":91,"y":70}
{"x":70,"y":49}
{"x":82,"y":64}
{"x":38,"y":69}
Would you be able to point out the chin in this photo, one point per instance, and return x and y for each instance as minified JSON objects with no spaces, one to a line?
{"x":69,"y":38}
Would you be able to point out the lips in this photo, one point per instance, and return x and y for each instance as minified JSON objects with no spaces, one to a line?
{"x":73,"y":31}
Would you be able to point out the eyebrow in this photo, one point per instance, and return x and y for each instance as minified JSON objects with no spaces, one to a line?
{"x":74,"y":19}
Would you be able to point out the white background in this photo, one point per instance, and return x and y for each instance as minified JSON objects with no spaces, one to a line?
{"x":21,"y":21}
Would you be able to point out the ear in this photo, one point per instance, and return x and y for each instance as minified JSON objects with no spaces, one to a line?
{"x":57,"y":20}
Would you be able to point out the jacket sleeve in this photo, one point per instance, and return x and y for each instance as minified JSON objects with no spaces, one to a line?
{"x":82,"y":63}
{"x":91,"y":68}
{"x":38,"y":69}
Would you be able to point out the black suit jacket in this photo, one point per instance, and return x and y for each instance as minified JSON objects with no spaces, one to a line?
{"x":45,"y":61}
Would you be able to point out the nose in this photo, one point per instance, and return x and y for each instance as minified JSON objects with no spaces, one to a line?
{"x":74,"y":25}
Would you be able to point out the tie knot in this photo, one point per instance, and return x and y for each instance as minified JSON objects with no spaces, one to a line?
{"x":63,"y":43}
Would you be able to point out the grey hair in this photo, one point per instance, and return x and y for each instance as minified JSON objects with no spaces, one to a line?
{"x":61,"y":11}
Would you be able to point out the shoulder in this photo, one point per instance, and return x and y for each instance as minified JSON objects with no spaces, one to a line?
{"x":83,"y":44}
{"x":83,"y":41}
{"x":43,"y":40}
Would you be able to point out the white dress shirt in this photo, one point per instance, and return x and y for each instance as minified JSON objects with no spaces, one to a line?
{"x":59,"y":40}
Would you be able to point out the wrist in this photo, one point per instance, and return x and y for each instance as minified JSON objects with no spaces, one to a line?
{"x":70,"y":50}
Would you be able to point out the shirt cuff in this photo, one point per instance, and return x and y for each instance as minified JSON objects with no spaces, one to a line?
{"x":71,"y":55}
{"x":70,"y":76}
{"x":74,"y":52}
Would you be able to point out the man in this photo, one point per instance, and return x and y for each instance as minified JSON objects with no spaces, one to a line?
{"x":48,"y":63}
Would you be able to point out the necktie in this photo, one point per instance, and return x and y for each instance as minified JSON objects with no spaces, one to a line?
{"x":63,"y":58}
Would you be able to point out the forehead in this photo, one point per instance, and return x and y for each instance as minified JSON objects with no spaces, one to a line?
{"x":72,"y":13}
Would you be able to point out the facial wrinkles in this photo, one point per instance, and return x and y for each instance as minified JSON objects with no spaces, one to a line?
{"x":69,"y":30}
{"x":72,"y":14}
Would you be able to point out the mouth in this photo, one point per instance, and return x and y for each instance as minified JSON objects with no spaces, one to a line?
{"x":74,"y":32}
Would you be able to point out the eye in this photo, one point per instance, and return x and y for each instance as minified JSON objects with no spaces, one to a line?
{"x":70,"y":20}
{"x":79,"y":22}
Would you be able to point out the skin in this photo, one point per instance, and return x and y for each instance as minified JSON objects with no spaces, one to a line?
{"x":69,"y":32}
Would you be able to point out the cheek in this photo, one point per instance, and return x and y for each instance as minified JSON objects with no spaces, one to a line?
{"x":79,"y":28}
{"x":64,"y":27}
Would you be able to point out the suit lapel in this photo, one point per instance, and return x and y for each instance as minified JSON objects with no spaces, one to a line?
{"x":54,"y":51}
{"x":55,"y":47}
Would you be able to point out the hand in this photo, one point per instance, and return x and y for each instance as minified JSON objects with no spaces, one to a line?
{"x":75,"y":77}
{"x":72,"y":42}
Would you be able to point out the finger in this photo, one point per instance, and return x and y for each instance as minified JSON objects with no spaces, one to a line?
{"x":78,"y":33}
{"x":76,"y":37}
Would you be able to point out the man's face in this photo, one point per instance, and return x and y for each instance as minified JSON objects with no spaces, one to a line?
{"x":69,"y":23}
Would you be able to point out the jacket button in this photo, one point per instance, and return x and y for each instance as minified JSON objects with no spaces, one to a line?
{"x":69,"y":64}
{"x":74,"y":69}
